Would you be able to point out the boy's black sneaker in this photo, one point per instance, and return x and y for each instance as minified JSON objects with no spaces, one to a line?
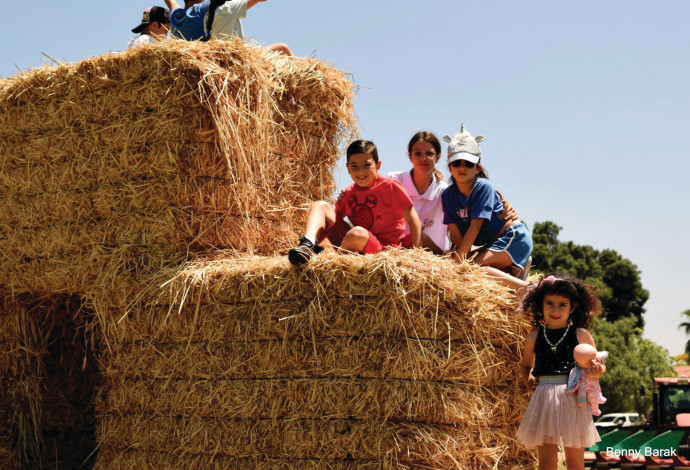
{"x":301,"y":254}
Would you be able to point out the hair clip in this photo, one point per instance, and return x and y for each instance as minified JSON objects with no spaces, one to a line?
{"x":550,"y":279}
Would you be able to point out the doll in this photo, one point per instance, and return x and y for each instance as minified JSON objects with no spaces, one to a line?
{"x":582,"y":380}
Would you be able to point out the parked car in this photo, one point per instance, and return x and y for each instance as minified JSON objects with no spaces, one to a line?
{"x":610,"y":420}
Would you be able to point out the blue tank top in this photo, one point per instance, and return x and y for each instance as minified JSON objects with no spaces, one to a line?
{"x":558,"y":362}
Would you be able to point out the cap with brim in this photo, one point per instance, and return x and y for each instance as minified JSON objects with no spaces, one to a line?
{"x":463,"y":146}
{"x":463,"y":156}
{"x":152,"y":15}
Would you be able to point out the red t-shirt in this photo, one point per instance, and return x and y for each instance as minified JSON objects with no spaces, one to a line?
{"x":377,"y":208}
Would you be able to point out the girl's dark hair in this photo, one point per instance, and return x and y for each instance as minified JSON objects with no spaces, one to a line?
{"x":481,"y":173}
{"x":362,"y":146}
{"x":429,"y":137}
{"x":583,"y":297}
{"x":211,"y":15}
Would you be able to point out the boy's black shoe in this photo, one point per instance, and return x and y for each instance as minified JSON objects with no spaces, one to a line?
{"x":301,"y":254}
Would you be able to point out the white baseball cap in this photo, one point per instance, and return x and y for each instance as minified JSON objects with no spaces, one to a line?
{"x":463,"y":146}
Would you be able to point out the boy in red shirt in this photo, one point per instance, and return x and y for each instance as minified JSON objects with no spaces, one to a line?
{"x":369,"y":215}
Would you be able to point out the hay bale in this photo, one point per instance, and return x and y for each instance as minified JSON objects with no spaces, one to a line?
{"x":122,"y":164}
{"x":120,"y":170}
{"x":10,"y":357}
{"x":396,"y":360}
{"x":48,"y":380}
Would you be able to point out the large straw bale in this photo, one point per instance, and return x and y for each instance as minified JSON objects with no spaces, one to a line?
{"x":392,"y":444}
{"x":10,"y":357}
{"x":48,"y":383}
{"x":396,"y":360}
{"x":122,"y":164}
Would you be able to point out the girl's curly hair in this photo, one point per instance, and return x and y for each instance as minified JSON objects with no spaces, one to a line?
{"x":583,"y":297}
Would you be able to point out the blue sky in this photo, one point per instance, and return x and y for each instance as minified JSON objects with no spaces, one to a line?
{"x":584,"y":105}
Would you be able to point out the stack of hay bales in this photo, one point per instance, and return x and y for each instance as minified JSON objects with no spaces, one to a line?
{"x":397,"y":360}
{"x":125,"y":163}
{"x":121,"y":178}
{"x":121,"y":165}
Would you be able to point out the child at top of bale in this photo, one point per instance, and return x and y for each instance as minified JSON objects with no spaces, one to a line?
{"x":188,"y":22}
{"x":223,"y":21}
{"x":154,"y":26}
{"x":472,"y":209}
{"x":562,"y":308}
{"x":369,"y":215}
{"x":424,"y":185}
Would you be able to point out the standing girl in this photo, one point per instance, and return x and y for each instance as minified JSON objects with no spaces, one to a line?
{"x":472,"y":210}
{"x":562,"y":307}
{"x":424,"y":184}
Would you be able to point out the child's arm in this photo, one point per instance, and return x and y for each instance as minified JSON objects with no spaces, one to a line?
{"x":415,"y":226}
{"x":528,"y":362}
{"x":509,"y":213}
{"x":172,"y":4}
{"x":468,"y":239}
{"x":455,"y":235}
{"x":598,"y":367}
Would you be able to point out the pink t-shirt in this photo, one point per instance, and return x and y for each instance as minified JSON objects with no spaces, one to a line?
{"x":377,"y":208}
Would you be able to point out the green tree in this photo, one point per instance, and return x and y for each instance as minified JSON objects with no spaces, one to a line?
{"x":617,"y":278}
{"x":686,"y":327}
{"x":633,"y":361}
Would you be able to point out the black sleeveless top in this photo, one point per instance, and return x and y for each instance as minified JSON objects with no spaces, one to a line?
{"x":560,"y":361}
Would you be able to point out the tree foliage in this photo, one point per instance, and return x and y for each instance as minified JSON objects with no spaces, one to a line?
{"x":685,"y":326}
{"x":633,"y":361}
{"x":617,"y":278}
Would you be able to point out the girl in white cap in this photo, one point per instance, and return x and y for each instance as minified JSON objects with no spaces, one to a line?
{"x":472,"y":210}
{"x":424,"y":184}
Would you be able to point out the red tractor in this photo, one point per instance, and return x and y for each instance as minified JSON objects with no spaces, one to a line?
{"x":662,"y":443}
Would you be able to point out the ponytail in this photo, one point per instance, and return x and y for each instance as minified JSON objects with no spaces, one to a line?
{"x":438,"y":175}
{"x":211,"y":16}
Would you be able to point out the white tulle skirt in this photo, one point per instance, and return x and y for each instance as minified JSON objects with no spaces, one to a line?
{"x":554,"y":417}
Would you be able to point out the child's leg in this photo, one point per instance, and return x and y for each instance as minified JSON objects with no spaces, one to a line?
{"x":321,"y":215}
{"x":361,"y":240}
{"x":429,"y":244}
{"x":496,"y":259}
{"x":355,"y":240}
{"x":281,"y":48}
{"x":574,"y":458}
{"x":548,"y":457}
{"x":504,"y":278}
{"x":511,"y":249}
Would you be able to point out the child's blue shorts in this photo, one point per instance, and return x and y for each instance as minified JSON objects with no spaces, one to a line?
{"x":517,"y":242}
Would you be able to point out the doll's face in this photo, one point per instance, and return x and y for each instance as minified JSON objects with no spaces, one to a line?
{"x":584,"y":354}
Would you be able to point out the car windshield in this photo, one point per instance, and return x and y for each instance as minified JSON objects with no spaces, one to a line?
{"x":606,"y":419}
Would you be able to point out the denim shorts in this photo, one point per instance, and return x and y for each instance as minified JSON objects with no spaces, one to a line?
{"x":517,"y":242}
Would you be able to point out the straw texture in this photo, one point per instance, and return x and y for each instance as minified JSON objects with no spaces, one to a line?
{"x":148,"y":322}
{"x":10,"y":378}
{"x":48,"y":380}
{"x":122,"y":164}
{"x":395,"y":360}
